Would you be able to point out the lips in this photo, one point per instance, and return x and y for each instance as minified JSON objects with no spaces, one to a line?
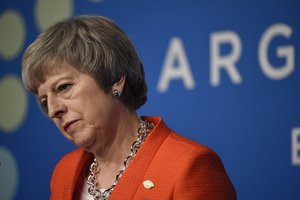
{"x":68,"y":124}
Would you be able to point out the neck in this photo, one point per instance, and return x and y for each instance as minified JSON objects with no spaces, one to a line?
{"x":111,"y":156}
{"x":110,"y":167}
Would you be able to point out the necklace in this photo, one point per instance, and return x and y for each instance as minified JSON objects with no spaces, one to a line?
{"x":142,"y":133}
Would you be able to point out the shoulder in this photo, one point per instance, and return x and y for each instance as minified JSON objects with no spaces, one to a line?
{"x":187,"y":147}
{"x":64,"y":164}
{"x":68,"y":160}
{"x":200,"y":170}
{"x":175,"y":146}
{"x":67,"y":171}
{"x":174,"y":141}
{"x":189,"y":155}
{"x":196,"y":170}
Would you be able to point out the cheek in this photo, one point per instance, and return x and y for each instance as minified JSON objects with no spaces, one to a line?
{"x":59,"y":126}
{"x":95,"y":107}
{"x":57,"y":123}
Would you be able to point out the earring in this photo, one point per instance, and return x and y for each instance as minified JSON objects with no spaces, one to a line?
{"x":116,"y":93}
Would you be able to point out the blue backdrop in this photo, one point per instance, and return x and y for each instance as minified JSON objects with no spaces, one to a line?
{"x":223,"y":73}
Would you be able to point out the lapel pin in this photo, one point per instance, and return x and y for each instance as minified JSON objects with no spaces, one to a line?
{"x":148,"y":184}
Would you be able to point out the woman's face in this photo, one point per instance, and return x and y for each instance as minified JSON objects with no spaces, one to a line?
{"x":82,"y":111}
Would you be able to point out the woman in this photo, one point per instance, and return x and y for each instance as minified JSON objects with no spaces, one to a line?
{"x":90,"y":81}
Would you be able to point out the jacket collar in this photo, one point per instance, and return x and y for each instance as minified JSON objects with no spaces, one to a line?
{"x":133,"y":176}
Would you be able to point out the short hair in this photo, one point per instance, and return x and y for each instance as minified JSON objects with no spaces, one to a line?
{"x":94,"y":45}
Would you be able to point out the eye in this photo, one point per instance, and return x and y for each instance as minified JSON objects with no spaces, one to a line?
{"x":44,"y":106}
{"x":63,"y":87}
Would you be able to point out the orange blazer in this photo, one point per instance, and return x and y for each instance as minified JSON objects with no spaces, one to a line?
{"x":178,"y":167}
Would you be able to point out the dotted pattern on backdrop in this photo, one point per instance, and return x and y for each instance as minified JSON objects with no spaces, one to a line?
{"x":14,"y":100}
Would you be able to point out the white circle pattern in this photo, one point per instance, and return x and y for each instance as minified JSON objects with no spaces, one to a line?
{"x":12,"y":31}
{"x":13,"y":103}
{"x":8,"y":175}
{"x":44,"y":12}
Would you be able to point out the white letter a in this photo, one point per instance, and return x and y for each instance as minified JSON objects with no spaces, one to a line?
{"x":172,"y":71}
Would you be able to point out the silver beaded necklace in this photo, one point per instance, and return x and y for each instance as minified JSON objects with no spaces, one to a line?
{"x":142,"y":133}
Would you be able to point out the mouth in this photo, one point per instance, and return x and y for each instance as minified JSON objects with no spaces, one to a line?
{"x":68,"y":124}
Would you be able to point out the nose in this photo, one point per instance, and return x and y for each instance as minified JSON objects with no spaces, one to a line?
{"x":56,"y":108}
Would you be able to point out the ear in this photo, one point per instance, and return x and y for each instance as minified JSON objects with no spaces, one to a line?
{"x":119,"y":85}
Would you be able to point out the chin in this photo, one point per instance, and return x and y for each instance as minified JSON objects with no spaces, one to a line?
{"x":84,"y":138}
{"x":83,"y":142}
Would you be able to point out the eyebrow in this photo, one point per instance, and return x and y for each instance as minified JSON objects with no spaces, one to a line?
{"x":52,"y":86}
